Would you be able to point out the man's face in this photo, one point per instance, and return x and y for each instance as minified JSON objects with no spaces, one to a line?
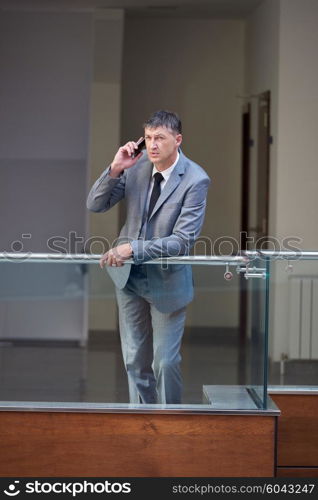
{"x":162,"y":145}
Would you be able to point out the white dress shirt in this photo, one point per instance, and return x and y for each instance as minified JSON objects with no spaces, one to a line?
{"x":165,"y":174}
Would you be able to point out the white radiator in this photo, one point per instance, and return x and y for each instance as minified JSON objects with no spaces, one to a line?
{"x":303,"y":317}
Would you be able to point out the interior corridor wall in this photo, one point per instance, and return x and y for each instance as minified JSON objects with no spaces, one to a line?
{"x":297,"y":173}
{"x":44,"y":97}
{"x":297,"y":181}
{"x":262,"y":74}
{"x":104,"y":141}
{"x":45,"y":80}
{"x":281,"y":55}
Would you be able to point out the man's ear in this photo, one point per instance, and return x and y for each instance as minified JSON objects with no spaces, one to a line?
{"x":178,"y":139}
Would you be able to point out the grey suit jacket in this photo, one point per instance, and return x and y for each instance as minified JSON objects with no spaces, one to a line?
{"x":171,"y":230}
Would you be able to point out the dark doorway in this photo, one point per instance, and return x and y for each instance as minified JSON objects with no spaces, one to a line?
{"x":255,"y":175}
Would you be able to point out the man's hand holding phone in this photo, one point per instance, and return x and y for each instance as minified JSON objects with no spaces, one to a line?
{"x":126,"y":156}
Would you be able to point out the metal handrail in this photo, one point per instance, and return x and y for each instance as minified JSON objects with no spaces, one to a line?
{"x":243,"y":259}
{"x":94,"y":258}
{"x":296,"y":255}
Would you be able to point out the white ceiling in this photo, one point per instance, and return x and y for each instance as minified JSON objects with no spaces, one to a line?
{"x":174,"y":8}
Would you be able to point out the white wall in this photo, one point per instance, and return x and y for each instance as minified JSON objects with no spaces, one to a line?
{"x":262,"y":71}
{"x":196,"y":69}
{"x":297,"y":182}
{"x":104,"y":142}
{"x":262,"y":74}
{"x":282,"y":43}
{"x":44,"y":84}
{"x":44,"y":99}
{"x":297,"y":173}
{"x":45,"y":80}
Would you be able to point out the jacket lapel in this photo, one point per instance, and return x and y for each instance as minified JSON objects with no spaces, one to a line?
{"x":143,"y":179}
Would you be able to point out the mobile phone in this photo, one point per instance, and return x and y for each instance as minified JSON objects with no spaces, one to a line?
{"x":141,"y":144}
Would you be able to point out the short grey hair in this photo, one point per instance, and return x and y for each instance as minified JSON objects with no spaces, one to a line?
{"x":163,"y":118}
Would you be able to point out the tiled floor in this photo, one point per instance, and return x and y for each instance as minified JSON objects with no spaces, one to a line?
{"x":46,"y":372}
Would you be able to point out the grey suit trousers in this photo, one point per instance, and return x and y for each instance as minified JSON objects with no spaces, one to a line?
{"x":150,"y":341}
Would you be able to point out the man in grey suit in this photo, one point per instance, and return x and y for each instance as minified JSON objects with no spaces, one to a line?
{"x":165,"y":194}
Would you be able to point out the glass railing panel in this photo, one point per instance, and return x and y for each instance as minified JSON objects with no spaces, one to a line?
{"x":258,"y":305}
{"x":293,"y":319}
{"x":60,"y":341}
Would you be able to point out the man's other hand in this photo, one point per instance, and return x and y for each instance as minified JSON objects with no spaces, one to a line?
{"x":116,"y":256}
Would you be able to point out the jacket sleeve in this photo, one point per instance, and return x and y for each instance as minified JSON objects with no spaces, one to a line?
{"x":106,"y":192}
{"x":186,"y":229}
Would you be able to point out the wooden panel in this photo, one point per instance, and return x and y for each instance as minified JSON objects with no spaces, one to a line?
{"x":122,"y":445}
{"x":297,"y":430}
{"x":297,"y":472}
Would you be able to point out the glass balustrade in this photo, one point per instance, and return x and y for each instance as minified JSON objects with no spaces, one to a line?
{"x":293,"y":320}
{"x":60,"y":344}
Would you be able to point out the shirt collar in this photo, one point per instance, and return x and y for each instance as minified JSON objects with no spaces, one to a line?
{"x":167,"y":172}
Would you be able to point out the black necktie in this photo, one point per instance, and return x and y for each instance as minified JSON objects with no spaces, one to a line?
{"x":155,"y":192}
